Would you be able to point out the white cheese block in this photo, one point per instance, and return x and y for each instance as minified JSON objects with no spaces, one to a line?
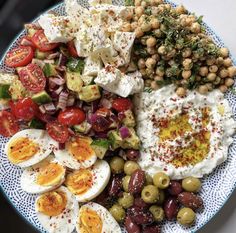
{"x":92,"y":66}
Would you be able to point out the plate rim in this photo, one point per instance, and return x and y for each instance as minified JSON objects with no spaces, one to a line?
{"x":16,"y":209}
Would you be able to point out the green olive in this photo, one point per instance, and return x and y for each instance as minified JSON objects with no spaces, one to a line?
{"x":161,"y":180}
{"x":148,"y":179}
{"x":126,"y":200}
{"x":191,"y":184}
{"x":130,"y":167}
{"x":157,"y":212}
{"x":186,"y":216}
{"x":125,"y":183}
{"x":117,"y":212}
{"x":161,"y":198}
{"x":117,"y":165}
{"x":150,"y":194}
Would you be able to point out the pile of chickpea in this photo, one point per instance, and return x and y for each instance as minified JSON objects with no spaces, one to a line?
{"x":214,"y":70}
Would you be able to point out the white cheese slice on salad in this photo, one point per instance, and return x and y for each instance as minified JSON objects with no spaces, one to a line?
{"x":111,"y":79}
{"x":56,"y":28}
{"x":92,"y":65}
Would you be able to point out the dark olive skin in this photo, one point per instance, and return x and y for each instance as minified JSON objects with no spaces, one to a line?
{"x":130,"y":226}
{"x":175,"y":188}
{"x":136,"y":182}
{"x":154,"y":228}
{"x":139,"y":202}
{"x":171,"y":208}
{"x":115,"y":185}
{"x":190,"y":200}
{"x":133,"y":155}
{"x":140,"y":216}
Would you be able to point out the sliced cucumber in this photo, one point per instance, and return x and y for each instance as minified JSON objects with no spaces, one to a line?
{"x":4,"y":91}
{"x":100,"y":146}
{"x":42,"y":98}
{"x":36,"y":124}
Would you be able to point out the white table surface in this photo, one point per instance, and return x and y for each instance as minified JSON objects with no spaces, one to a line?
{"x":220,"y":15}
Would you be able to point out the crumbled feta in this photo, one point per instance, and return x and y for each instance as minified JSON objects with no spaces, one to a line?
{"x":123,"y":43}
{"x":112,"y":80}
{"x":92,"y":66}
{"x":56,"y":28}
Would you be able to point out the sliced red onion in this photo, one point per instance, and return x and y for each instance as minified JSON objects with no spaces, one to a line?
{"x":50,"y":108}
{"x":95,"y":106}
{"x":53,"y":55}
{"x":101,"y":135}
{"x":61,"y":68}
{"x":62,"y":60}
{"x":58,"y":80}
{"x":121,"y":116}
{"x":38,"y":62}
{"x":49,"y":61}
{"x":71,"y":100}
{"x":62,"y":100}
{"x":106,"y":103}
{"x":92,"y":118}
{"x":79,"y":103}
{"x":42,"y":109}
{"x":87,"y":108}
{"x":59,"y":90}
{"x":46,"y":118}
{"x":124,"y":132}
{"x":26,"y":42}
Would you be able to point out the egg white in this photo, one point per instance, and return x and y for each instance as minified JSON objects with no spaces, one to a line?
{"x":64,"y":222}
{"x":109,"y":225}
{"x":40,"y":137}
{"x":68,"y":160}
{"x":101,"y":174}
{"x":29,"y":178}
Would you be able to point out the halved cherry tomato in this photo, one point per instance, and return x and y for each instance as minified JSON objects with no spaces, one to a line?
{"x":32,"y":78}
{"x":26,"y":41}
{"x":8,"y":125}
{"x":41,"y":42}
{"x":121,"y":104}
{"x":72,"y":49}
{"x":24,"y":109}
{"x":58,"y":132}
{"x":19,"y":56}
{"x":71,"y":116}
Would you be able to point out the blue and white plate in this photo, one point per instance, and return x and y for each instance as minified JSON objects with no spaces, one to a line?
{"x":216,"y":188}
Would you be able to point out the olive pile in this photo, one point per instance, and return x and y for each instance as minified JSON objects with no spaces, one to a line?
{"x":142,"y":202}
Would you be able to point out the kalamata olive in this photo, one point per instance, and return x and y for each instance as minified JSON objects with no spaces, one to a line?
{"x":115,"y":185}
{"x":104,"y":199}
{"x":140,"y":216}
{"x":130,"y":226}
{"x":137,"y":181}
{"x":154,"y":228}
{"x":175,"y":188}
{"x":171,"y":208}
{"x":133,"y":154}
{"x":190,"y":200}
{"x":139,"y":202}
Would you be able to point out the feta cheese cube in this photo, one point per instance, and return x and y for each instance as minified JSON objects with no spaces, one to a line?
{"x":92,"y":66}
{"x":56,"y":28}
{"x":123,"y":43}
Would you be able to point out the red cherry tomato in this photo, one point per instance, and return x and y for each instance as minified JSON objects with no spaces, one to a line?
{"x":71,"y":116}
{"x":24,"y":109}
{"x":58,"y":131}
{"x":72,"y":49}
{"x":32,"y":78}
{"x":105,"y":112}
{"x":20,"y":56}
{"x":8,"y":125}
{"x":26,"y":41}
{"x":41,"y":42}
{"x":121,"y":104}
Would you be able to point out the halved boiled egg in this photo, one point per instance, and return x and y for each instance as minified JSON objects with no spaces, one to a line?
{"x":28,"y":147}
{"x":43,"y":177}
{"x":57,"y":210}
{"x":77,"y":153}
{"x":94,"y":218}
{"x":88,"y":183}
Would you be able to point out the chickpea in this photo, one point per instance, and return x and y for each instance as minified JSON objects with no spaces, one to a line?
{"x":154,"y":85}
{"x":186,"y":74}
{"x":180,"y":10}
{"x":162,"y":50}
{"x":223,"y":88}
{"x":217,"y":80}
{"x":209,"y":86}
{"x":156,"y":57}
{"x":181,"y":92}
{"x":203,"y":71}
{"x":134,"y":25}
{"x":147,"y":83}
{"x":143,"y":72}
{"x":210,"y":61}
{"x":152,"y":2}
{"x":160,"y":71}
{"x":139,"y":11}
{"x":229,"y":82}
{"x":203,"y":89}
{"x":141,"y":63}
{"x":196,"y":28}
{"x":158,"y":2}
{"x":211,"y":77}
{"x":150,"y":62}
{"x":163,"y":27}
{"x":155,"y":23}
{"x":144,"y":4}
{"x":232,"y":71}
{"x":138,"y":32}
{"x":137,"y":2}
{"x":224,"y":52}
{"x":187,"y":64}
{"x":152,"y":50}
{"x":171,"y":53}
{"x":143,"y":40}
{"x":146,"y":26}
{"x":227,"y":62}
{"x":220,"y":61}
{"x":186,"y":52}
{"x":150,"y":71}
{"x":198,"y":77}
{"x":213,"y":69}
{"x":151,"y":41}
{"x":126,"y":27}
{"x":224,"y":73}
{"x":158,"y":78}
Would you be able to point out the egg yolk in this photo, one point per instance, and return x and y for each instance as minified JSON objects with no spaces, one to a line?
{"x":79,"y":181}
{"x":90,"y":221}
{"x":80,"y":148}
{"x":52,"y":203}
{"x":22,"y":149}
{"x":50,"y":174}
